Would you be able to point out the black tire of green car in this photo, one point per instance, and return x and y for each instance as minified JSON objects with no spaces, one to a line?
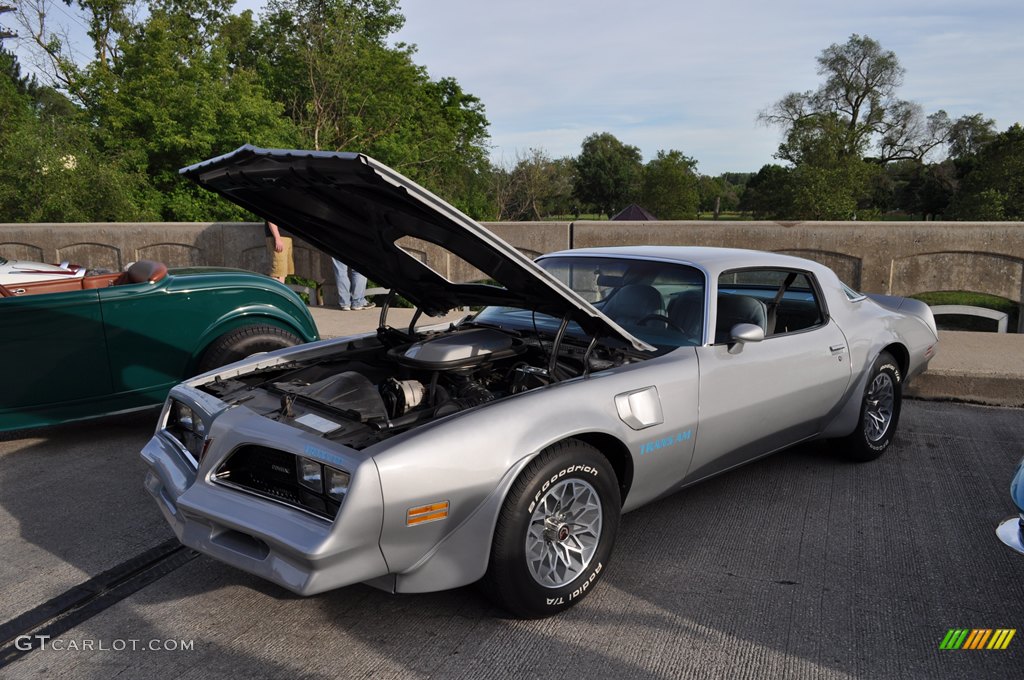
{"x":879,"y":411}
{"x":243,"y":342}
{"x":555,"y":533}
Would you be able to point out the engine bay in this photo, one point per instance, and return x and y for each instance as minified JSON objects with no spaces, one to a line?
{"x":369,"y":391}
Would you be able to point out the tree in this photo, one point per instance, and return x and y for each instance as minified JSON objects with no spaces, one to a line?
{"x":769,"y":192}
{"x":172,"y":98}
{"x":833,"y":193}
{"x":855,"y":110}
{"x":608,"y":173}
{"x":969,"y":134}
{"x":993,"y":187}
{"x":722,"y":193}
{"x":345,"y":88}
{"x":50,"y":169}
{"x":670,"y":186}
{"x":190,"y":80}
{"x":535,"y":187}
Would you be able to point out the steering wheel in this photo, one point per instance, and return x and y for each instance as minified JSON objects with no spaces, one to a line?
{"x":662,"y":318}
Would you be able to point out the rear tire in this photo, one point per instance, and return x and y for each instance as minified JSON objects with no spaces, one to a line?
{"x":879,"y":411}
{"x":244,"y":342}
{"x":555,"y":532}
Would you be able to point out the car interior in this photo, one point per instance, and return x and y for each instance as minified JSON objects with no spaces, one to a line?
{"x":143,"y":271}
{"x":734,"y":309}
{"x":780,"y":302}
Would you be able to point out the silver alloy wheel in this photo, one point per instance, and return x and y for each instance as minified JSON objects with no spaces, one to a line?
{"x":564,"y":533}
{"x":879,"y":403}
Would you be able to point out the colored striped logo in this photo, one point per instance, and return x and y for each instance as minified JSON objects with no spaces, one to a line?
{"x":977,"y":638}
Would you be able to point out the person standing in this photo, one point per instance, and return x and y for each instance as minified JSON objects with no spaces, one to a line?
{"x":280,"y":247}
{"x":351,"y":287}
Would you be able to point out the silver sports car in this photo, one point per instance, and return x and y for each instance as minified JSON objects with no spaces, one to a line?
{"x":504,"y":448}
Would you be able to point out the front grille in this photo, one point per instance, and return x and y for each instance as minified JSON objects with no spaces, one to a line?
{"x":273,"y":474}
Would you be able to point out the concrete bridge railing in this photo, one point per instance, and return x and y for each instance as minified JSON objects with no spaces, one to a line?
{"x":898,"y":258}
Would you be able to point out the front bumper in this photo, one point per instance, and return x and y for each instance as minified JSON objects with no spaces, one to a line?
{"x":1010,"y":530}
{"x":298,"y":551}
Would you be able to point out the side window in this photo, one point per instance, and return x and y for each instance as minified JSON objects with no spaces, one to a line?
{"x":779,"y":301}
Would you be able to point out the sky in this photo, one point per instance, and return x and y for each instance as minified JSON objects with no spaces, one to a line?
{"x":693,"y":76}
{"x":662,"y":74}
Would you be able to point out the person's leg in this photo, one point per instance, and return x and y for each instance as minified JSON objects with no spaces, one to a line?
{"x":358,"y":290}
{"x":289,"y":255}
{"x":344,"y":287}
{"x":278,"y":264}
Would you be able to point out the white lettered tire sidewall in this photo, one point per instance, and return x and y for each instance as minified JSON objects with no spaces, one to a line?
{"x":509,"y":581}
{"x":859,"y":445}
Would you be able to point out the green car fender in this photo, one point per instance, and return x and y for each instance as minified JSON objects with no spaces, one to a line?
{"x":296,"y":320}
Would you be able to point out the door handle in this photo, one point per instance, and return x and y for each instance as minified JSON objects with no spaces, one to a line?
{"x":837,"y":348}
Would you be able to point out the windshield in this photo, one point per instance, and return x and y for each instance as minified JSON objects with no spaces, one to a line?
{"x":661,"y":303}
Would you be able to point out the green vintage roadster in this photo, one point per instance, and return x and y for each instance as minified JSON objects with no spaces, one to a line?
{"x":110,"y":343}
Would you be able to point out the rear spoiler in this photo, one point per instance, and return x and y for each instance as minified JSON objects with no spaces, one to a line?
{"x":905,"y":305}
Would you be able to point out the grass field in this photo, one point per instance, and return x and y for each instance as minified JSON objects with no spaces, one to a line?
{"x":956,"y":322}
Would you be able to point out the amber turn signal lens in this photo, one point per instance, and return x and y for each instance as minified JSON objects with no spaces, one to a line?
{"x":426,"y":513}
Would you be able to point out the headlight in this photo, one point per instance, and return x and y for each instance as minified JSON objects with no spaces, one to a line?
{"x":323,"y":479}
{"x":188,"y":428}
{"x":336,"y":483}
{"x":311,"y":474}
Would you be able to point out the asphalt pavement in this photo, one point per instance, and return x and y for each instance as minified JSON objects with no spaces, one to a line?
{"x":799,"y":565}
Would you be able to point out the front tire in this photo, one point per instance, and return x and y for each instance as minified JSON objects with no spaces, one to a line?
{"x":879,"y":411}
{"x":244,"y":342}
{"x":555,"y":532}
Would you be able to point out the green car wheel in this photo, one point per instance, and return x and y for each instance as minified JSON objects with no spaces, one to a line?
{"x":243,"y":342}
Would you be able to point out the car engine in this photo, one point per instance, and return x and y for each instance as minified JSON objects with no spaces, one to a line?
{"x":363,"y":395}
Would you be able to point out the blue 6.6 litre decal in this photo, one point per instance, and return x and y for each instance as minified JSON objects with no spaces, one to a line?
{"x":650,"y":447}
{"x":323,"y":456}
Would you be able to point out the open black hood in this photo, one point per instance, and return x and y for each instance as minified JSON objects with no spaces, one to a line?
{"x":356,"y":209}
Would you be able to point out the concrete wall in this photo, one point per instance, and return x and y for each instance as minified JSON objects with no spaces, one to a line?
{"x":900,"y":258}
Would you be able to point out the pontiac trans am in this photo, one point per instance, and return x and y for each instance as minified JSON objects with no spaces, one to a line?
{"x":504,"y":448}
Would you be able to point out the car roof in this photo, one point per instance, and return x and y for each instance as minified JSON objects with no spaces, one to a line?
{"x":712,"y":260}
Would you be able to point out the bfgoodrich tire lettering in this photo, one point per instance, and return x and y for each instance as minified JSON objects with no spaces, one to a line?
{"x":555,"y":532}
{"x":243,"y":342}
{"x":879,"y":411}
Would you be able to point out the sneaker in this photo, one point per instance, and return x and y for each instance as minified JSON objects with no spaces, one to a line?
{"x":344,"y":308}
{"x":365,"y":305}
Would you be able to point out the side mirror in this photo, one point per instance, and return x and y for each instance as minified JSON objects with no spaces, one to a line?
{"x":742,"y":333}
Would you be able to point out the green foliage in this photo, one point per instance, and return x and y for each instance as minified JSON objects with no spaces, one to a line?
{"x":536,"y":187}
{"x":173,"y":99}
{"x":608,"y":173}
{"x":769,"y":193}
{"x":969,"y":134}
{"x":670,"y":187}
{"x":858,"y":149}
{"x":808,"y":192}
{"x":853,"y":110}
{"x":829,"y":193}
{"x":190,"y":80}
{"x":346,"y":89}
{"x":971,"y":323}
{"x":50,"y":170}
{"x":722,"y":194}
{"x":993,"y":185}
